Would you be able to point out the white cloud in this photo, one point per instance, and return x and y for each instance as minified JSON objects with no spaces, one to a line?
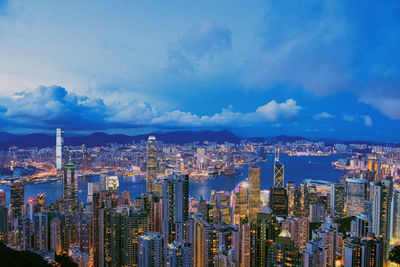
{"x":323,"y":115}
{"x":367,"y":120}
{"x":270,"y":112}
{"x":349,"y":118}
{"x":390,"y":106}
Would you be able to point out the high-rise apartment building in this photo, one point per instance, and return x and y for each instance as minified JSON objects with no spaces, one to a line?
{"x":151,"y":249}
{"x":176,"y":207}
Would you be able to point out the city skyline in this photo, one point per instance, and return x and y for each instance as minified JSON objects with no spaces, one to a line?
{"x":321,"y":69}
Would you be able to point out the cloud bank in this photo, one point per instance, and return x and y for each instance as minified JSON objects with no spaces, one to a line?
{"x":51,"y":107}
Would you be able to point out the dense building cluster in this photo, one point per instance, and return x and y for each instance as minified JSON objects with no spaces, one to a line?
{"x":352,"y":222}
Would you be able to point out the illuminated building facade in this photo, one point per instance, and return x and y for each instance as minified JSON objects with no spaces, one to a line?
{"x":151,"y":249}
{"x":71,"y":189}
{"x":254,"y":193}
{"x":356,"y":193}
{"x":59,"y":149}
{"x":151,"y":173}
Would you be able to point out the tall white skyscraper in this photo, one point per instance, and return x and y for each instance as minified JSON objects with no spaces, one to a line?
{"x":59,"y":149}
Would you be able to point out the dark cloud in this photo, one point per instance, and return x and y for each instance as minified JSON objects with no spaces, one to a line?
{"x":200,"y":42}
{"x":47,"y":107}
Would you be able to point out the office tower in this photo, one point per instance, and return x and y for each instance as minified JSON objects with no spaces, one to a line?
{"x":229,"y":157}
{"x":71,"y":189}
{"x":278,"y":201}
{"x":314,"y":255}
{"x":381,"y":211}
{"x":200,"y":158}
{"x":40,"y":231}
{"x":317,"y":213}
{"x":279,"y":175}
{"x":55,"y":235}
{"x":254,"y":193}
{"x":3,"y":224}
{"x":59,"y":149}
{"x":151,"y":249}
{"x":299,"y":229}
{"x":2,"y":197}
{"x":356,"y":193}
{"x":263,"y":232}
{"x":17,"y":199}
{"x":283,"y":252}
{"x":151,"y":174}
{"x":337,"y":201}
{"x":178,"y":254}
{"x":291,"y":191}
{"x":241,"y":203}
{"x":176,"y":207}
{"x":92,"y":187}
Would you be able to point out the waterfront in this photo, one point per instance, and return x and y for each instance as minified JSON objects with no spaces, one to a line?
{"x":297,"y":168}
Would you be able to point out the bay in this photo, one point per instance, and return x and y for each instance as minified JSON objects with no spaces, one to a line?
{"x":297,"y":169}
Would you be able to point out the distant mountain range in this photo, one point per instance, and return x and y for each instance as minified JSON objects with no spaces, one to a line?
{"x":175,"y":137}
{"x":100,"y":139}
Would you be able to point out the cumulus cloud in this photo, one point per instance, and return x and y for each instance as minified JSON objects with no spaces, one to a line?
{"x":54,"y":105}
{"x":203,"y":41}
{"x":270,"y":112}
{"x":50,"y":107}
{"x":323,"y":115}
{"x":366,"y":119}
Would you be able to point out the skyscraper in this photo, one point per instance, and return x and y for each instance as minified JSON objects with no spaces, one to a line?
{"x":381,"y":212}
{"x":278,"y":201}
{"x":151,"y":249}
{"x":356,"y":192}
{"x":17,"y":199}
{"x":179,"y":254}
{"x":254,"y":193}
{"x":337,"y":201}
{"x":279,"y":175}
{"x":291,"y":191}
{"x":71,"y":189}
{"x":59,"y":148}
{"x":151,"y":174}
{"x":176,"y":207}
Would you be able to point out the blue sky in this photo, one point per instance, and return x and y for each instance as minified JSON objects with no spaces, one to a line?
{"x":326,"y":69}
